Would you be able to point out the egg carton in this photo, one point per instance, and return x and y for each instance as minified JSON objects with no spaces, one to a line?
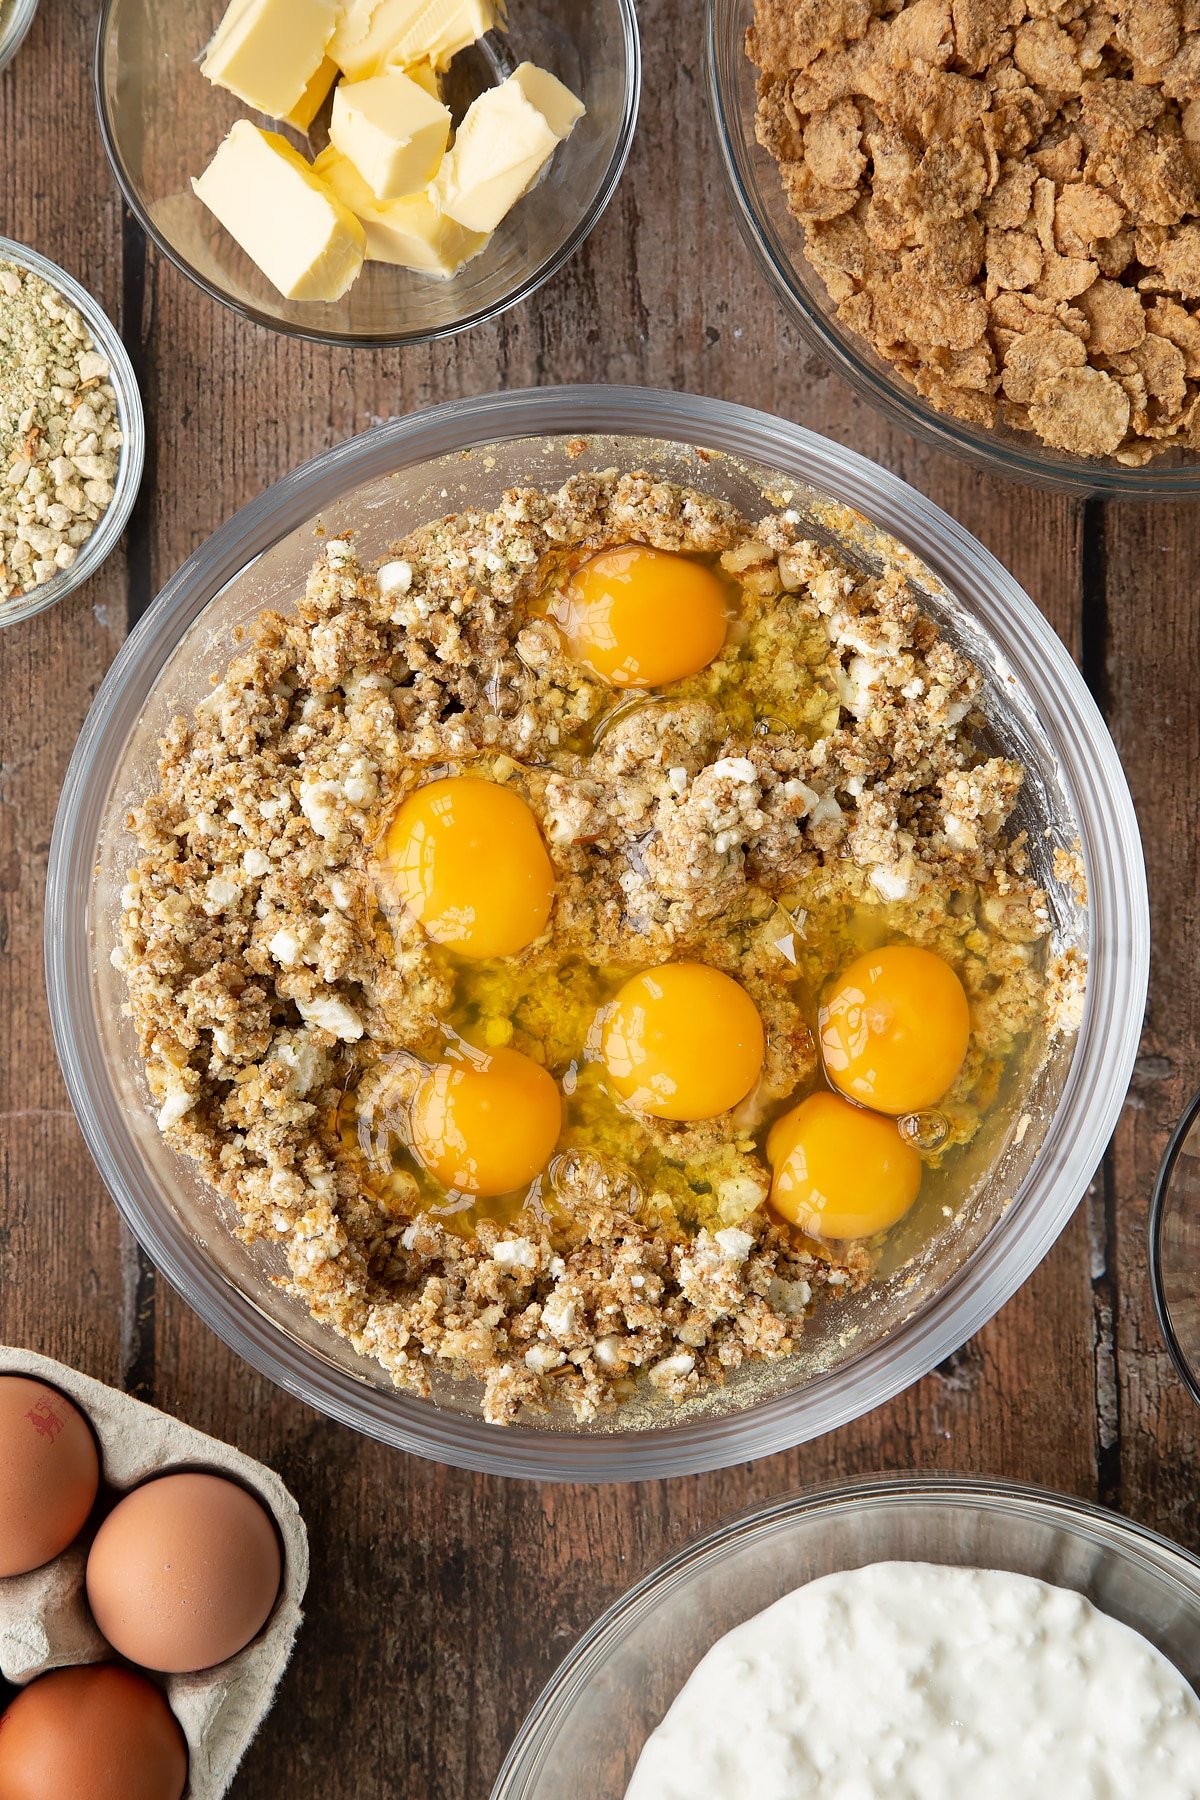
{"x":44,"y":1619}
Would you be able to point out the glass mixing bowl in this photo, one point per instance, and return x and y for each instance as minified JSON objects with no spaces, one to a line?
{"x":1024,"y":1180}
{"x":778,"y":243}
{"x":162,"y":122}
{"x":587,"y":1729}
{"x":107,"y":534}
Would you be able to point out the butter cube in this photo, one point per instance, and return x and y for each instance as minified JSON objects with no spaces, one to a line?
{"x":505,"y":141}
{"x":375,"y":32}
{"x":423,"y":73}
{"x":412,"y":233}
{"x":313,"y":97}
{"x":393,"y":132}
{"x":283,"y":215}
{"x":269,"y":52}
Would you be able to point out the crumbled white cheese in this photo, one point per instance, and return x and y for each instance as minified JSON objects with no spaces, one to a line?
{"x":255,"y":862}
{"x":395,"y":578}
{"x":736,"y":1244}
{"x":738,"y":1195}
{"x":285,"y":947}
{"x":333,"y":1015}
{"x":541,"y":1358}
{"x":672,"y":1368}
{"x":610,"y":1351}
{"x":791,"y":1298}
{"x":341,"y":893}
{"x":317,"y":803}
{"x":515,"y":1253}
{"x":307,"y":1063}
{"x":795,"y":789}
{"x":826,"y":811}
{"x":560,"y":1314}
{"x":892,"y":883}
{"x":735,"y":768}
{"x":218,"y":894}
{"x":178,"y":1102}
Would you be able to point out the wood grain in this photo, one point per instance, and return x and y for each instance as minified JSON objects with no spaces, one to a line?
{"x":441,"y":1601}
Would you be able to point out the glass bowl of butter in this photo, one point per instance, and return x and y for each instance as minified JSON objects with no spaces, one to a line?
{"x":380,"y":172}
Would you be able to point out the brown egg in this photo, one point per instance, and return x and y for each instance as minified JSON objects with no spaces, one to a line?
{"x":184,"y":1572}
{"x":49,"y":1473}
{"x":97,"y":1733}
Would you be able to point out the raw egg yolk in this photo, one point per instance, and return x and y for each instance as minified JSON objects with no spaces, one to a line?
{"x":466,"y":858}
{"x":682,"y":1042}
{"x":486,"y":1124}
{"x":894,"y":1030}
{"x":642,"y":618}
{"x":840,"y":1172}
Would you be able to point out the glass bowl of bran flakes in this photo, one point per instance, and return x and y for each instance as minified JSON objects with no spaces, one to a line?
{"x":777,"y":240}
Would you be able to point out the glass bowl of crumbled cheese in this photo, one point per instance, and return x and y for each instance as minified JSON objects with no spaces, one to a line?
{"x":1024,"y":296}
{"x":1089,"y":1579}
{"x":1019,"y":1180}
{"x":72,"y":434}
{"x":268,"y":250}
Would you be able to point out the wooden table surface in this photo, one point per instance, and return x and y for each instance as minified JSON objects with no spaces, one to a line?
{"x":440,"y":1601}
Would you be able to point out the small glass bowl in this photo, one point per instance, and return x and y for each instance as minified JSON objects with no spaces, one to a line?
{"x":16,"y":16}
{"x":777,"y":241}
{"x":162,"y":123}
{"x":133,"y":451}
{"x":1175,"y":1247}
{"x":587,"y":1729}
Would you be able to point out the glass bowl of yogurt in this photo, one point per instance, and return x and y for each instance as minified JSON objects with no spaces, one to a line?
{"x":864,"y":1580}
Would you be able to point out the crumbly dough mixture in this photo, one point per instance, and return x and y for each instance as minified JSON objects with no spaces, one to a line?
{"x":1003,"y":199}
{"x":824,"y":761}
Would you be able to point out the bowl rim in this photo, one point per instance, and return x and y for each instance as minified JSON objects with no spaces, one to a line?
{"x":314,"y":334}
{"x":13,"y":36}
{"x":131,"y":464}
{"x":1076,"y":1135}
{"x":901,"y":405}
{"x":1154,"y":1231}
{"x":837,"y":1498}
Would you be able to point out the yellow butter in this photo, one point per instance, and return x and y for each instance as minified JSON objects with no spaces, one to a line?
{"x":393,"y":132}
{"x":505,"y":141}
{"x":269,"y":52}
{"x":313,"y":97}
{"x":374,"y":32}
{"x":423,"y":73}
{"x":283,"y":215}
{"x":411,"y":233}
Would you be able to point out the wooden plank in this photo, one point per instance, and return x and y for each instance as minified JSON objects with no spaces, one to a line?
{"x":66,"y":1263}
{"x":1152,"y":638}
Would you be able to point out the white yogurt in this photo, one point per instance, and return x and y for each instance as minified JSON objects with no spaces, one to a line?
{"x":909,"y":1681}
